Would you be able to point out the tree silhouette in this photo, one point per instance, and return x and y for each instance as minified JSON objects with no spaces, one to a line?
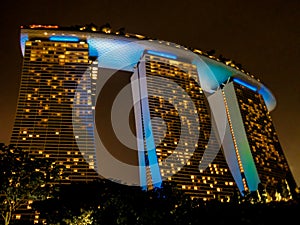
{"x":23,"y":179}
{"x":106,"y":202}
{"x":106,"y":28}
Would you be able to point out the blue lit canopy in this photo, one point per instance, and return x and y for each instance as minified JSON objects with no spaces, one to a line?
{"x":117,"y":52}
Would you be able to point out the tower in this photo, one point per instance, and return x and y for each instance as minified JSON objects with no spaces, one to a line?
{"x":257,"y":142}
{"x":49,"y":100}
{"x":178,"y":144}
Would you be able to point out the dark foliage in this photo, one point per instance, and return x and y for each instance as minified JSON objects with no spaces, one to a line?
{"x":24,"y":177}
{"x":113,"y":203}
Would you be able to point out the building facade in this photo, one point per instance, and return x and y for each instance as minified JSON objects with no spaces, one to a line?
{"x":145,"y":112}
{"x":256,"y":134}
{"x":52,"y":69}
{"x":180,"y":130}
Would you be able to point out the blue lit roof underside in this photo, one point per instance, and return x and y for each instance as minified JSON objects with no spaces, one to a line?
{"x":118,"y":52}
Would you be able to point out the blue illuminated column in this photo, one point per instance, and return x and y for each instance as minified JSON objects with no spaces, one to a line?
{"x":248,"y":171}
{"x":145,"y":138}
{"x":219,"y":112}
{"x":139,"y":130}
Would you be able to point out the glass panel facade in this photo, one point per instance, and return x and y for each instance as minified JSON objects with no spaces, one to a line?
{"x":181,"y":125}
{"x":51,"y":73}
{"x":266,"y":150}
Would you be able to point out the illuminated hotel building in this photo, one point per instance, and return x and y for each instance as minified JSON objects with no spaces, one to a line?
{"x":192,"y":120}
{"x":52,"y":69}
{"x":176,"y":99}
{"x":262,"y":158}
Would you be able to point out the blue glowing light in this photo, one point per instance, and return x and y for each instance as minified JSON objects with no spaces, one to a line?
{"x":162,"y":54}
{"x":23,"y":39}
{"x":64,"y":38}
{"x":245,"y":84}
{"x":150,"y":145}
{"x":268,"y":97}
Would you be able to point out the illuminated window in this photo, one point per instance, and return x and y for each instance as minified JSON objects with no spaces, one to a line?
{"x":18,"y":216}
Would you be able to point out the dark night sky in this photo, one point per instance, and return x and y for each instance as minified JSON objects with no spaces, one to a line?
{"x":264,"y":36}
